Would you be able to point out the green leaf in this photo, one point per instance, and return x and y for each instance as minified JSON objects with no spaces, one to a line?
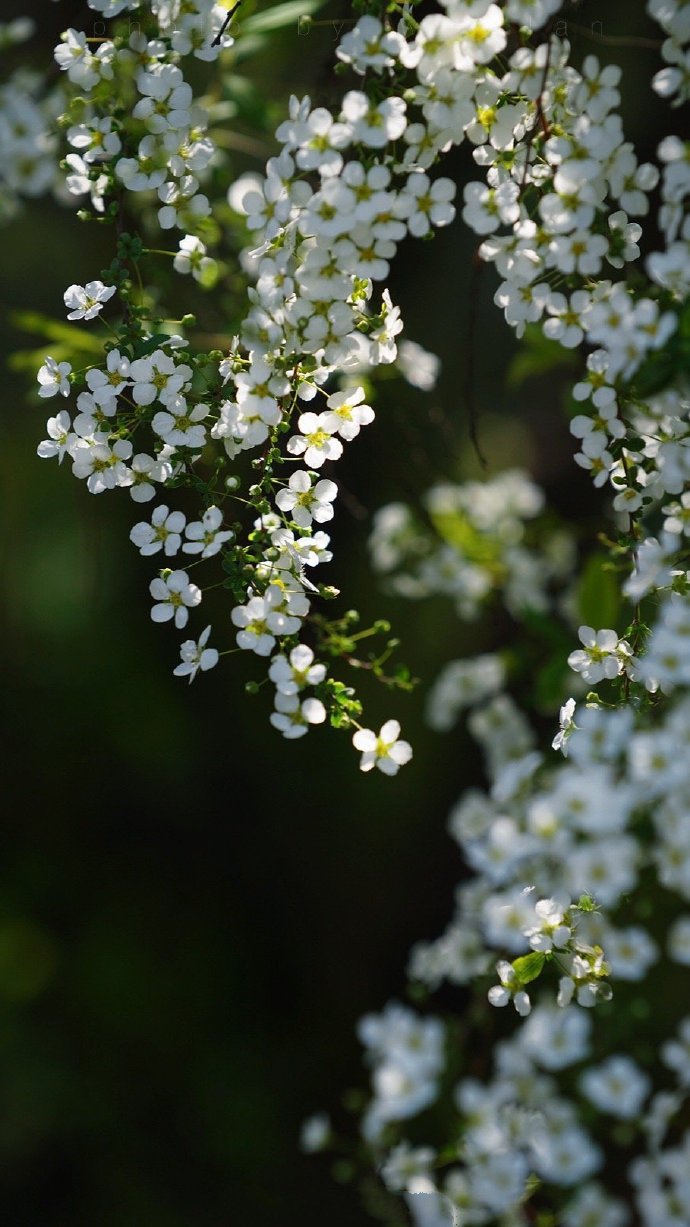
{"x":529,"y":966}
{"x":537,"y":356}
{"x":456,"y":529}
{"x":147,"y":347}
{"x":550,"y":682}
{"x":659,"y":369}
{"x":598,"y":594}
{"x":280,"y":15}
{"x":54,"y":330}
{"x":209,"y":276}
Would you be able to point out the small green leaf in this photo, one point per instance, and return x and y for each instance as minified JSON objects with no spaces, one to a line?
{"x":537,"y":356}
{"x":598,"y":594}
{"x":154,"y":342}
{"x":550,"y":682}
{"x":456,"y":529}
{"x":54,"y":330}
{"x":529,"y":966}
{"x":280,"y":15}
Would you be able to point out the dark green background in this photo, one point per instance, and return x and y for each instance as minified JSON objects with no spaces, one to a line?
{"x":194,"y":912}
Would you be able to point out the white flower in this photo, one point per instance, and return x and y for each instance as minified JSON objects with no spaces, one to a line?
{"x":180,"y":426}
{"x":106,"y":385}
{"x":86,"y":302}
{"x":603,"y":655}
{"x":346,"y":413}
{"x":679,"y":940}
{"x":373,"y":124}
{"x":567,"y":724}
{"x":157,"y":376}
{"x":382,"y":750}
{"x":368,"y":45}
{"x":316,"y":440}
{"x":144,"y":472}
{"x":419,"y":367}
{"x":102,"y":466}
{"x":61,"y":437}
{"x":289,"y":675}
{"x":95,"y":140}
{"x":163,"y":533}
{"x":678,"y":516}
{"x":487,"y":208}
{"x":292,"y":718}
{"x":510,"y":989}
{"x":676,"y":1053}
{"x":624,"y":239}
{"x":550,"y":932}
{"x":579,"y":252}
{"x":652,"y":566}
{"x":531,"y":13}
{"x":73,"y":57}
{"x":142,"y":173}
{"x":166,"y":98}
{"x":320,"y":138}
{"x":192,"y":258}
{"x":304,"y":502}
{"x":175,"y":596}
{"x":53,"y":378}
{"x":204,"y":536}
{"x":196,"y":656}
{"x":565,"y":325}
{"x":315,"y":1133}
{"x":555,"y":1038}
{"x":617,"y":1086}
{"x":481,"y":37}
{"x":424,"y":204}
{"x":262,"y":619}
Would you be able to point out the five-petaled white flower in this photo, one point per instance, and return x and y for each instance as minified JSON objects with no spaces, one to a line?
{"x":346,"y":413}
{"x":87,"y":301}
{"x":157,"y":377}
{"x":294,"y":673}
{"x":175,"y":596}
{"x":604,"y":655}
{"x":163,"y":533}
{"x":204,"y":536}
{"x":53,"y":377}
{"x":61,"y":437}
{"x":316,"y":441}
{"x":304,"y":502}
{"x":261,"y":620}
{"x":383,"y":750}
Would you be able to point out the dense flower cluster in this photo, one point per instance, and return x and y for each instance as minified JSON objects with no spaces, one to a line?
{"x":555,"y":206}
{"x":475,"y":541}
{"x":326,"y":220}
{"x":28,"y":141}
{"x":554,"y":211}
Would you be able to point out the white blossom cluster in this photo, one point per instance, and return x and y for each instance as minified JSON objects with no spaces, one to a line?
{"x":673,"y":82}
{"x":554,"y":206}
{"x":28,"y":142}
{"x":480,"y":546}
{"x":327,"y":217}
{"x":144,"y":77}
{"x":612,"y":817}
